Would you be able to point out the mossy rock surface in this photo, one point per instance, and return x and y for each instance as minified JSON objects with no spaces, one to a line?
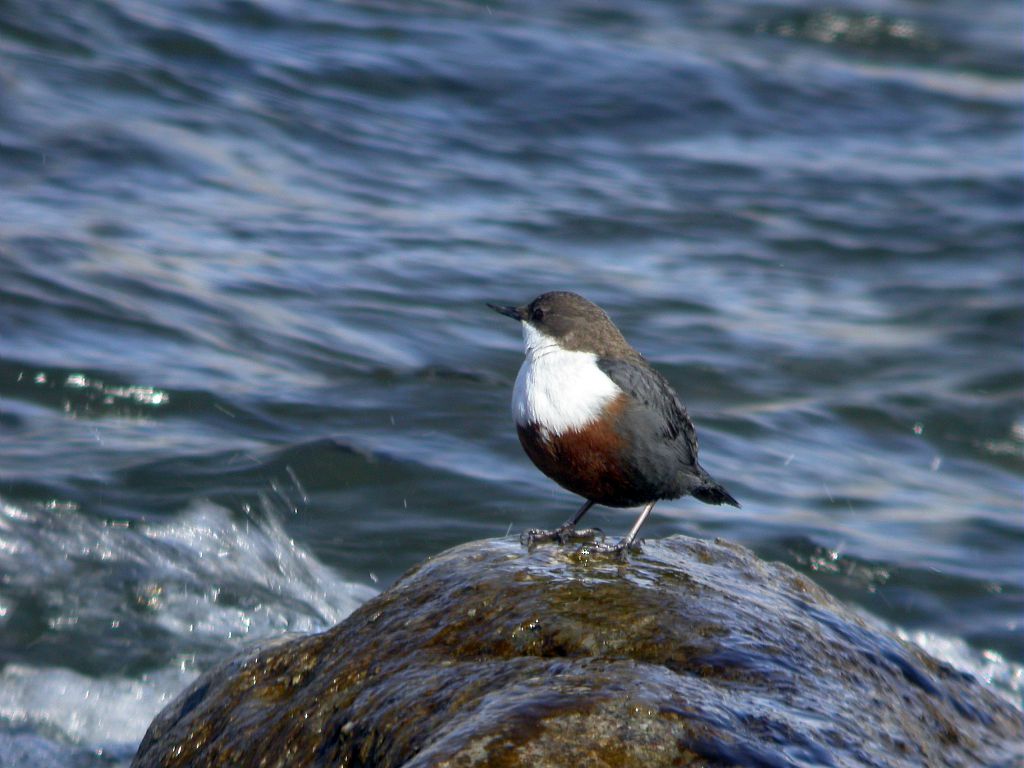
{"x":694,"y":653}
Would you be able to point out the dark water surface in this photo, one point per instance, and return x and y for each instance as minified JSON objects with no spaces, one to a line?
{"x":247,"y":376}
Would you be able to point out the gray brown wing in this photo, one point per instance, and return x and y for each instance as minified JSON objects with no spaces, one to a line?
{"x":655,"y":395}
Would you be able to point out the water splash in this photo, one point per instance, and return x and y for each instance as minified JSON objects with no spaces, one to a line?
{"x":1002,"y":675}
{"x":109,"y":394}
{"x":158,"y":600}
{"x":81,"y":714}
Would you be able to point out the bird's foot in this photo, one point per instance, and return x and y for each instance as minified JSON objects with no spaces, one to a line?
{"x":563,"y":534}
{"x":618,"y":552}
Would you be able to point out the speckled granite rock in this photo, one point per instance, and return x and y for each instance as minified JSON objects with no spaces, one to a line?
{"x":695,"y":653}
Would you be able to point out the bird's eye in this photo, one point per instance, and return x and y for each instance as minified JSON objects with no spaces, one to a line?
{"x":537,"y":314}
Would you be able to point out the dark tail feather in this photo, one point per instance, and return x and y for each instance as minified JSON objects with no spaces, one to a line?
{"x":712,"y":493}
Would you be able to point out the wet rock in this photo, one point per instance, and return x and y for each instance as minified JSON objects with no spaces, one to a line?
{"x":694,"y":653}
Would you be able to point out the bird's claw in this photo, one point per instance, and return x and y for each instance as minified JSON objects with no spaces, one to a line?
{"x":618,"y":552}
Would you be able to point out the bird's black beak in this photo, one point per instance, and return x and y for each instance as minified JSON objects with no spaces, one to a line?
{"x":516,"y":313}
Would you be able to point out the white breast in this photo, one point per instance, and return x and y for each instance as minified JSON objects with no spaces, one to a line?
{"x":556,"y":389}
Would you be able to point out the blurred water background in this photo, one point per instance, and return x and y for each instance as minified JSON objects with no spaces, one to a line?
{"x":247,"y":376}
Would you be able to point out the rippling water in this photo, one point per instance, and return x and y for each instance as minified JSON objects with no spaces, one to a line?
{"x":247,"y":376}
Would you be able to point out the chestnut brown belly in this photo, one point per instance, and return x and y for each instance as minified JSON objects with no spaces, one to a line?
{"x":592,"y":462}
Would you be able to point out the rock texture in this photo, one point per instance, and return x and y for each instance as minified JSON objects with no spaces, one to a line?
{"x":695,"y":653}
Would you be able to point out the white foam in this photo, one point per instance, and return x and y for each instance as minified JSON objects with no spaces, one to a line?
{"x":1002,"y":676}
{"x":108,"y":713}
{"x":202,"y":573}
{"x":173,"y":595}
{"x":282,"y":586}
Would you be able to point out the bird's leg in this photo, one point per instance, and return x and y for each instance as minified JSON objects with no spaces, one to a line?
{"x":564,"y":533}
{"x":628,"y":541}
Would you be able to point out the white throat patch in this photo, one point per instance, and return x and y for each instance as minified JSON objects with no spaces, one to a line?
{"x":556,"y":389}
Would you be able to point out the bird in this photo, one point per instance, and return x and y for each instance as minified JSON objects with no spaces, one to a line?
{"x":595,"y":417}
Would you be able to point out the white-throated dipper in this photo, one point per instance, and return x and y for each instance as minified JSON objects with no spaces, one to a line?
{"x":596,"y":418}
